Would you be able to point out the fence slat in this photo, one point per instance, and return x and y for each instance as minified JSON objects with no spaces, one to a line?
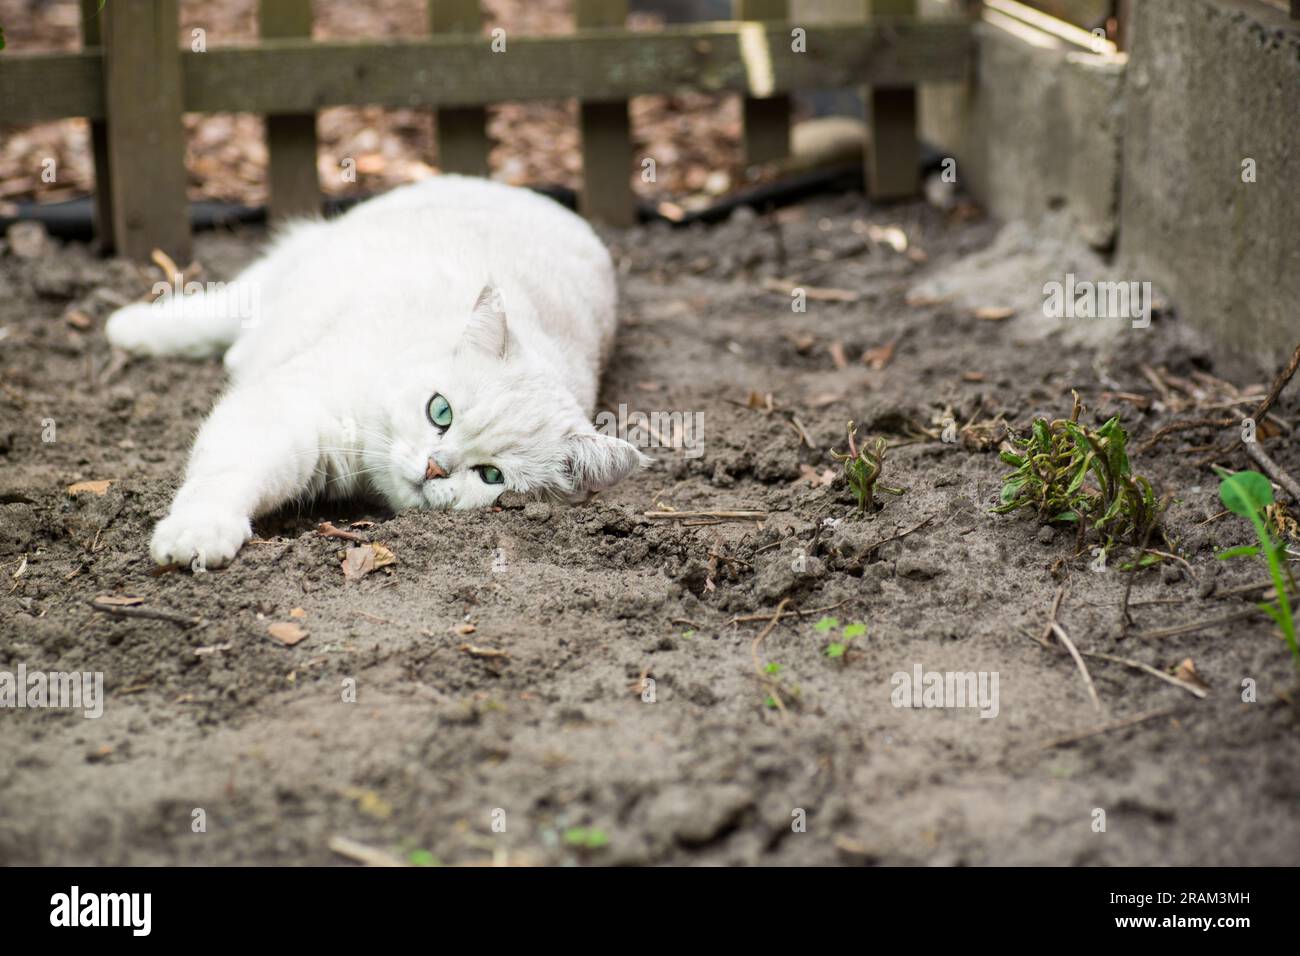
{"x":290,"y":139}
{"x":893,"y":150}
{"x":606,"y":135}
{"x":766,"y":121}
{"x":92,"y":36}
{"x":463,"y":143}
{"x":297,"y":76}
{"x":146,"y":141}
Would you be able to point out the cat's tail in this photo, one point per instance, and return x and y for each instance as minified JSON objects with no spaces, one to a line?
{"x":200,"y":324}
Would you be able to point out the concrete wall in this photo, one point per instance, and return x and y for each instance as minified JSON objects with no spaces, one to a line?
{"x":1211,"y":83}
{"x":1145,"y":150}
{"x":1038,"y":131}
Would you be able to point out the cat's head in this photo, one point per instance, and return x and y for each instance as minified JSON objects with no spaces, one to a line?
{"x":482,"y":419}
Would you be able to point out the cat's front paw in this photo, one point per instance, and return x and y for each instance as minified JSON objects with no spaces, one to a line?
{"x":199,"y":537}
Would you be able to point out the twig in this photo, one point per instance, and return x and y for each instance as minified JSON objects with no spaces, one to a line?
{"x":896,"y":537}
{"x":758,"y":664}
{"x":327,"y":530}
{"x":144,"y":612}
{"x":1261,"y":410}
{"x":361,"y":853}
{"x":1083,"y":668}
{"x":1147,"y":668}
{"x":1256,"y":453}
{"x":719,"y":515}
{"x":746,"y":618}
{"x":1183,"y":426}
{"x":1108,"y":728}
{"x":1178,"y":629}
{"x":1047,"y":628}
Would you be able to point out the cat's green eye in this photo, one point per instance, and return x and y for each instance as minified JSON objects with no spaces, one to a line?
{"x":439,"y":411}
{"x":491,"y":476}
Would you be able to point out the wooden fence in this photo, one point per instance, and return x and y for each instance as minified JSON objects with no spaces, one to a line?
{"x":133,"y":80}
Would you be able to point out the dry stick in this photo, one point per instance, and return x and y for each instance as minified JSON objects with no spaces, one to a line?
{"x":901,"y":534}
{"x":1056,"y":606}
{"x":144,"y":612}
{"x":720,"y":515}
{"x":745,"y":618}
{"x":1271,"y":468}
{"x":758,"y":665}
{"x":1274,"y":391}
{"x":327,"y":530}
{"x":1108,"y":728}
{"x":1178,"y":629}
{"x":1124,"y":619}
{"x":1147,"y":668}
{"x":1183,"y":426}
{"x":1083,"y":668}
{"x":362,"y":853}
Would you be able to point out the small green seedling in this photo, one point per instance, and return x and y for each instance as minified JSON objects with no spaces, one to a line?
{"x":1249,"y":494}
{"x":586,"y":838}
{"x":862,"y":468}
{"x":850,"y":632}
{"x":422,"y":858}
{"x":1070,"y":473}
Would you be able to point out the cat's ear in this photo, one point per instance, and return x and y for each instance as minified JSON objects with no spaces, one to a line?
{"x":594,"y":461}
{"x":487,"y":330}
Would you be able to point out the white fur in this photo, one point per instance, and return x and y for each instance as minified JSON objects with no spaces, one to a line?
{"x":359,"y":322}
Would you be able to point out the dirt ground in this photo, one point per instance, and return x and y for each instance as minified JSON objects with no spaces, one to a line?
{"x":554,"y":754}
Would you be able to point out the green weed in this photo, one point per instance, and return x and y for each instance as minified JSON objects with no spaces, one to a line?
{"x":1249,"y":494}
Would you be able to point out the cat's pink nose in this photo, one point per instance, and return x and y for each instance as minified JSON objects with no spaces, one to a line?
{"x":433,"y":470}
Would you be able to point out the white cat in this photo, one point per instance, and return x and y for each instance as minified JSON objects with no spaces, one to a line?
{"x":372,"y":354}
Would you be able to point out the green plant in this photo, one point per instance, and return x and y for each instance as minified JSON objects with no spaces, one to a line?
{"x":1068,"y":472}
{"x":862,"y":468}
{"x":586,"y":838}
{"x":848,"y":634}
{"x":1249,"y":494}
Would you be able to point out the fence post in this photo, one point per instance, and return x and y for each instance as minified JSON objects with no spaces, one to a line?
{"x":290,"y":139}
{"x":461,"y":132}
{"x":92,"y":36}
{"x":606,"y":136}
{"x":893,"y":151}
{"x":145,"y":141}
{"x":765,"y":122}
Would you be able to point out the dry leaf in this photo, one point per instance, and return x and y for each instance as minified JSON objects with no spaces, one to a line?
{"x":1186,"y":671}
{"x":464,"y":629}
{"x":836,"y":350}
{"x":810,"y":474}
{"x":973,"y":376}
{"x":822,"y":399}
{"x":361,"y":524}
{"x":880,"y":356}
{"x":115,"y":600}
{"x":383,"y":557}
{"x":474,"y":651}
{"x":78,"y":319}
{"x":994,"y":313}
{"x":358,"y":562}
{"x":297,"y":612}
{"x":93,"y":487}
{"x":286,"y":632}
